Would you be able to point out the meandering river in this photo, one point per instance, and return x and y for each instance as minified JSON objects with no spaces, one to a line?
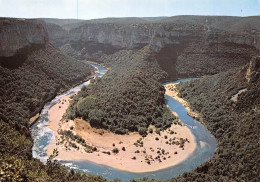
{"x":206,"y":143}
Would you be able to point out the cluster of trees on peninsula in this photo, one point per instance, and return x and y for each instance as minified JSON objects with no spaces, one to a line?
{"x":127,"y":98}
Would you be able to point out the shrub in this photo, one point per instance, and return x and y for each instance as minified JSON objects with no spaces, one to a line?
{"x":115,"y":150}
{"x":158,"y":130}
{"x":142,"y":131}
{"x":150,"y":130}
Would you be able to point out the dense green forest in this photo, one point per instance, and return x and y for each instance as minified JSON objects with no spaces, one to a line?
{"x":235,"y":124}
{"x":198,"y":59}
{"x":24,"y":91}
{"x":127,"y":98}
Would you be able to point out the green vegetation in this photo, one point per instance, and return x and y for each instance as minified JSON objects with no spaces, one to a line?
{"x":198,"y":59}
{"x":206,"y":44}
{"x":127,"y":98}
{"x":236,"y":125}
{"x":67,"y":135}
{"x":150,"y":130}
{"x":24,"y":91}
{"x":17,"y":163}
{"x":115,"y":150}
{"x":144,"y":180}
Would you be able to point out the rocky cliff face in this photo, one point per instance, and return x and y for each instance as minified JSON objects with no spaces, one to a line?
{"x":93,"y":40}
{"x":33,"y":68}
{"x":132,"y":36}
{"x":253,"y":72}
{"x":157,"y":34}
{"x":16,"y":34}
{"x":186,"y":46}
{"x":56,"y":34}
{"x":245,"y":38}
{"x":18,"y":38}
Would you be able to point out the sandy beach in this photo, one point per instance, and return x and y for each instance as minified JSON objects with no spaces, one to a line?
{"x":135,"y":153}
{"x":173,"y":92}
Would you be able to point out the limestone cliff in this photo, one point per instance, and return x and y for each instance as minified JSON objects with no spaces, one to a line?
{"x":253,"y":71}
{"x":56,"y":34}
{"x":16,"y":34}
{"x":131,"y":36}
{"x":132,"y":33}
{"x":18,"y":38}
{"x":184,"y":46}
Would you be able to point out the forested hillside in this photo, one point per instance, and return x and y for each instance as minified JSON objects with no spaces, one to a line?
{"x":25,"y":87}
{"x":45,"y":72}
{"x":24,"y":91}
{"x":234,"y":119}
{"x":127,"y":98}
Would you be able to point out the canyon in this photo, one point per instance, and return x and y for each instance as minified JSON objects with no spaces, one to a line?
{"x":187,"y":45}
{"x":40,"y":58}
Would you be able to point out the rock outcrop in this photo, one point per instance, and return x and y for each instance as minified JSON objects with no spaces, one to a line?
{"x":135,"y":33}
{"x":253,"y":72}
{"x":130,"y":36}
{"x":18,"y":38}
{"x":56,"y":34}
{"x":16,"y":34}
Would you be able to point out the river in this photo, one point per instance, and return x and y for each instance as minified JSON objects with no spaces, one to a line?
{"x":206,"y":143}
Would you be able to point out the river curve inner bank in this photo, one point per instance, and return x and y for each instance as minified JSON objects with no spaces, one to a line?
{"x":206,"y":144}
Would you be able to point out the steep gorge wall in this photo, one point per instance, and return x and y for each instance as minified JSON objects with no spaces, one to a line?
{"x":56,"y":34}
{"x":182,"y":48}
{"x":130,"y":36}
{"x":18,"y":38}
{"x":253,"y":71}
{"x":32,"y":70}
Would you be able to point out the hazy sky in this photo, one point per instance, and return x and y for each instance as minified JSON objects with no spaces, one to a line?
{"x":91,"y":9}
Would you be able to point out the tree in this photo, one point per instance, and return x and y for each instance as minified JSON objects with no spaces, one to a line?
{"x":142,"y":131}
{"x":85,"y":105}
{"x":96,"y":117}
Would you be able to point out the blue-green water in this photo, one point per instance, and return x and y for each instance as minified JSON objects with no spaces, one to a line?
{"x":206,"y":143}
